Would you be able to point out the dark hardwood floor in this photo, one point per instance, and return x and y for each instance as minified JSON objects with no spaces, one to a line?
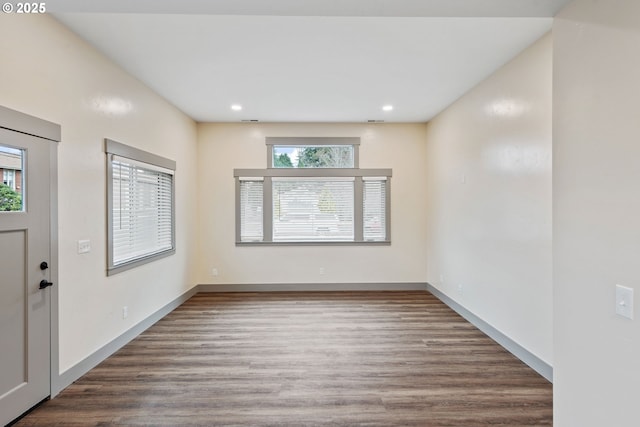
{"x":296,"y":359}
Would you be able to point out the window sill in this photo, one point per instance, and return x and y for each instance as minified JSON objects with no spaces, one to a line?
{"x":376,"y":243}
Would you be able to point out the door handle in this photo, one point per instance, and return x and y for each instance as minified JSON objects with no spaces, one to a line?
{"x":45,"y":284}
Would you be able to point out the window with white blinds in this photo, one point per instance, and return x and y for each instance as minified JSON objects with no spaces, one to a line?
{"x":313,"y":209}
{"x":312,"y":192}
{"x":374,"y":201}
{"x":141,"y":207}
{"x":251,"y":214}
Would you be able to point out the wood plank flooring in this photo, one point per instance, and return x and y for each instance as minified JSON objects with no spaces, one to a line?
{"x":306,"y":359}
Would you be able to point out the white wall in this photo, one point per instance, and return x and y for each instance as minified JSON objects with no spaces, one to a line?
{"x":596,"y":212}
{"x":50,"y":73}
{"x":489,"y":218}
{"x":223,"y":147}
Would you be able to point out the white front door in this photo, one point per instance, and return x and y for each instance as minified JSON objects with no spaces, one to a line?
{"x":24,"y":268}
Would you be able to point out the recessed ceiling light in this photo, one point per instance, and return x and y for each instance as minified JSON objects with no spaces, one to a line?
{"x":236,"y":107}
{"x":387,"y":108}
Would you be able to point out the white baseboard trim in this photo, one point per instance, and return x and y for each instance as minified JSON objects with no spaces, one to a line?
{"x":75,"y":372}
{"x":533,"y":361}
{"x":314,"y":287}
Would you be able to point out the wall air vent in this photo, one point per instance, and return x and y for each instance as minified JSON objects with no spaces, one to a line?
{"x":375,"y":121}
{"x":249,"y":121}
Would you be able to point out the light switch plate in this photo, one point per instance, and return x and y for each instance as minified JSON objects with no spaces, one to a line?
{"x":84,"y":246}
{"x":624,"y":301}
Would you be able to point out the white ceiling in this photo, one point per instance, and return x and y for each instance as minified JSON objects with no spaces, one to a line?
{"x":312,"y":61}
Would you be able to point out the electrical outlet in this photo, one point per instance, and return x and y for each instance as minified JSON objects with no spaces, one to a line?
{"x":442,"y":279}
{"x":214,"y":272}
{"x":125,"y":312}
{"x":460,"y":288}
{"x":321,"y":271}
{"x":624,"y":301}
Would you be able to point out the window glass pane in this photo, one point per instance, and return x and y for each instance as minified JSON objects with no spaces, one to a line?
{"x":321,"y":156}
{"x":374,"y":210}
{"x":251,"y":211}
{"x":11,"y":173}
{"x":142,"y":210}
{"x":313,"y":209}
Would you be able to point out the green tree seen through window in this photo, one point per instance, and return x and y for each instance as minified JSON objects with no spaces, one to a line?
{"x":9,"y":199}
{"x":282,"y":161}
{"x":326,"y":157}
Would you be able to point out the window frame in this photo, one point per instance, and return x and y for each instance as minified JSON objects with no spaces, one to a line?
{"x":312,"y":142}
{"x":267,"y":204}
{"x":113,"y":148}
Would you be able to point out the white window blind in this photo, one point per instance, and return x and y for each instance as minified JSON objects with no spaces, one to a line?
{"x":142,"y":209}
{"x":313,"y":209}
{"x":374,"y":209}
{"x":251,"y":213}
